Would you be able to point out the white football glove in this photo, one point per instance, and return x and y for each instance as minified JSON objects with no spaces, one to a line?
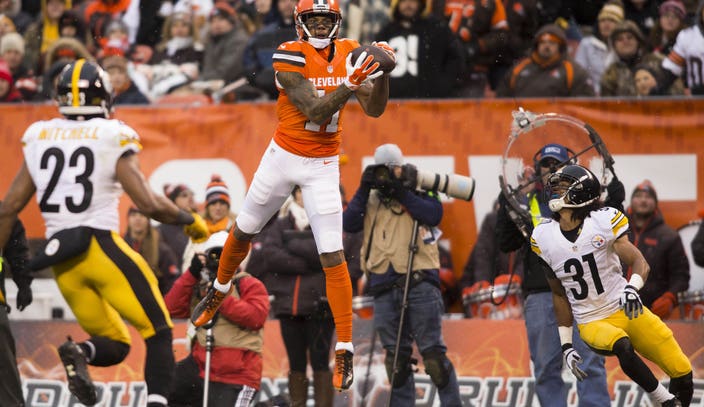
{"x":630,"y":302}
{"x":572,"y":358}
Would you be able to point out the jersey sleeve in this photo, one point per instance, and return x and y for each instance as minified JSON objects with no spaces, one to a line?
{"x":289,"y":57}
{"x":128,"y":139}
{"x":611,"y":221}
{"x":535,"y":241}
{"x":675,"y":61}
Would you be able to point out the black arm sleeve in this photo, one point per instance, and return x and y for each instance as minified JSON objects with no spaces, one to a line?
{"x":16,"y":252}
{"x":508,"y":236}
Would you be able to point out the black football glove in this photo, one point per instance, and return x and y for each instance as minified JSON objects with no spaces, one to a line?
{"x":409,"y":175}
{"x":616,"y":193}
{"x":368,"y":179}
{"x":196,"y":267}
{"x":630,"y":302}
{"x":24,"y":296}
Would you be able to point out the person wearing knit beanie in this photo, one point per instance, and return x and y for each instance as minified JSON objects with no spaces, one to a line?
{"x":611,"y":11}
{"x":647,"y":187}
{"x":217,"y":205}
{"x":12,"y":42}
{"x":673,"y":6}
{"x":217,"y":191}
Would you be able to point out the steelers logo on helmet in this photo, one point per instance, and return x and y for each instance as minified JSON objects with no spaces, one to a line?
{"x":314,"y":15}
{"x":572,"y":186}
{"x":83,"y":89}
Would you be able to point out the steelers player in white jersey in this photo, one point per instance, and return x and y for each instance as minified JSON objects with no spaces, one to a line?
{"x":583,"y":245}
{"x":78,"y":166}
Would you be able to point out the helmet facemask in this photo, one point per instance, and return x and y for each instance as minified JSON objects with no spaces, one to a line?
{"x":304,"y":11}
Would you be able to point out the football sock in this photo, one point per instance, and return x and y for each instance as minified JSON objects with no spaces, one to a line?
{"x":339,"y":291}
{"x":233,"y":253}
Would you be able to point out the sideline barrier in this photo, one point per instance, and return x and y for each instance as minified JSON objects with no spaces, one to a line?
{"x":658,"y":139}
{"x":491,"y":359}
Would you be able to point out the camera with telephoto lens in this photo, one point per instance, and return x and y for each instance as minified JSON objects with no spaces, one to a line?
{"x":453,"y":185}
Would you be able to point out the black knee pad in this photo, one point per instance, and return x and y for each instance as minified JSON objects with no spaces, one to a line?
{"x":404,"y":368}
{"x":106,"y":351}
{"x":683,"y":388}
{"x":623,"y":347}
{"x":437,"y":366}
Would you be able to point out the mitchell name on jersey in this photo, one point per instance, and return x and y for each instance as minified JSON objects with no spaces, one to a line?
{"x":589,"y":269}
{"x":72,"y":164}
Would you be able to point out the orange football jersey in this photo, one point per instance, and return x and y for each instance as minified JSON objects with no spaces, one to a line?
{"x":295,"y":133}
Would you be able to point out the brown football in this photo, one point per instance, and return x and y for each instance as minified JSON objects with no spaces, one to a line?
{"x":386,"y":63}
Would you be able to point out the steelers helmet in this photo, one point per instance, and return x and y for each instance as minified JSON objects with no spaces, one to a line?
{"x":309,"y":8}
{"x":83,"y":89}
{"x":572,"y":186}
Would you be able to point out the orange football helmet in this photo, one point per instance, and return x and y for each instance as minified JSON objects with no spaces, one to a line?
{"x":309,"y":8}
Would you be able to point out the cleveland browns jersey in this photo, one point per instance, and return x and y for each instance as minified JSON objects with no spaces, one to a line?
{"x":589,"y":268}
{"x":295,"y":133}
{"x":72,"y":164}
{"x":686,"y":56}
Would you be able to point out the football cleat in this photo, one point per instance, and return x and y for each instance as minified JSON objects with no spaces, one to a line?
{"x":343,"y":376}
{"x":208,"y":306}
{"x":76,"y":366}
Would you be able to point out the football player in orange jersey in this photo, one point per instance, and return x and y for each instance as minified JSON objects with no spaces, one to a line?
{"x":315,"y":76}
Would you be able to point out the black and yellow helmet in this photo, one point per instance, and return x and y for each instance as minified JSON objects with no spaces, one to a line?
{"x":83,"y":89}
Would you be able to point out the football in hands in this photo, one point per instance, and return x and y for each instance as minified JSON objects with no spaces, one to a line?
{"x":386,"y":63}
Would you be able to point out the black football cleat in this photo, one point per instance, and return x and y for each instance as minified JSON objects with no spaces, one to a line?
{"x":76,"y":366}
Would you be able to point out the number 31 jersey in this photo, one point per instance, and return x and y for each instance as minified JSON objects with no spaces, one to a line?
{"x":72,"y":164}
{"x":589,"y":268}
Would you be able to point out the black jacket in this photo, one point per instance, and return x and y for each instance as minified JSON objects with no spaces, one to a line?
{"x":663,"y":249}
{"x":432,"y":69}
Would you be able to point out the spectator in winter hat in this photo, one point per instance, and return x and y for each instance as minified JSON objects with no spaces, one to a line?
{"x":217,"y":205}
{"x":593,"y":51}
{"x":663,"y":249}
{"x":672,"y":19}
{"x":217,"y":215}
{"x":12,"y":51}
{"x":548,"y":71}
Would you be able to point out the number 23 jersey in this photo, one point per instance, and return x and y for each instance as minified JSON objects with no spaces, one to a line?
{"x":72,"y":164}
{"x":589,"y":268}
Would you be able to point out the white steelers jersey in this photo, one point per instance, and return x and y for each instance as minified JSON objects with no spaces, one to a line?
{"x":589,"y":269}
{"x":72,"y":164}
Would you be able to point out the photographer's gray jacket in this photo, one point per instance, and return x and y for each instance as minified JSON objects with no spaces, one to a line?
{"x":390,"y":229}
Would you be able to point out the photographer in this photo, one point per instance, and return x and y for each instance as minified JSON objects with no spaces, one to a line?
{"x":287,"y":260}
{"x":386,"y":207}
{"x":237,"y":331}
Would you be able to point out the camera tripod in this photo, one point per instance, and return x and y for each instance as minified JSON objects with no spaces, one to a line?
{"x":412,"y":250}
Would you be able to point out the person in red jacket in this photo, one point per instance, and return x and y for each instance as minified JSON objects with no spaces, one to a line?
{"x":238,"y":331}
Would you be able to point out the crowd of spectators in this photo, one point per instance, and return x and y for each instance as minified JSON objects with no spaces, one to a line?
{"x":222,"y":48}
